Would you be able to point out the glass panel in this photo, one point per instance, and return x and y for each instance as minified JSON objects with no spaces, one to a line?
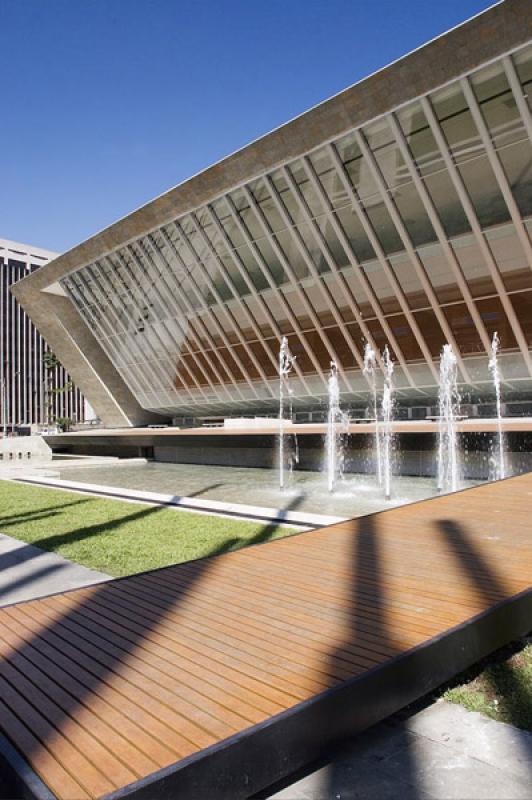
{"x":251,"y":223}
{"x":334,"y":189}
{"x":392,"y":166}
{"x":234,"y":275}
{"x":523,"y":65}
{"x":226,"y":356}
{"x":463,"y":139}
{"x":218,"y":289}
{"x":336,"y":249}
{"x":319,"y":349}
{"x":383,"y":227}
{"x":448,"y":207}
{"x":259,"y":189}
{"x":347,"y":148}
{"x":413,"y":214}
{"x":378,"y":134}
{"x":379,"y":337}
{"x":193,"y":293}
{"x":260,"y":351}
{"x":341,"y":348}
{"x":497,"y":105}
{"x":475,"y":269}
{"x":522,"y":303}
{"x":292,"y":254}
{"x":199,"y":247}
{"x":354,"y":231}
{"x":356,"y":335}
{"x":290,"y":202}
{"x":495,"y":319}
{"x":329,"y":179}
{"x":457,"y":123}
{"x":313,"y":248}
{"x":361,"y":178}
{"x":463,"y":327}
{"x":439,"y":273}
{"x":404,"y":336}
{"x":420,"y":140}
{"x":484,"y":191}
{"x":321,"y":161}
{"x":298,"y":350}
{"x":246,"y":361}
{"x":431,"y":331}
{"x":272,"y":262}
{"x":506,"y":248}
{"x":381,"y":286}
{"x":353,"y":287}
{"x":230,"y":227}
{"x":211,"y":232}
{"x":319,"y":301}
{"x":269,"y":209}
{"x":252,"y":268}
{"x":517,"y":164}
{"x":409,"y":281}
{"x":300,"y":176}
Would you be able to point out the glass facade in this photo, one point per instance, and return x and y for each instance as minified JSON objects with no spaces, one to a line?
{"x":411,"y":231}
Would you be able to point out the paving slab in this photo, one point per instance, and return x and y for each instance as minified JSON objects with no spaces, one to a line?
{"x":27,"y":572}
{"x":441,"y":753}
{"x":502,"y":746}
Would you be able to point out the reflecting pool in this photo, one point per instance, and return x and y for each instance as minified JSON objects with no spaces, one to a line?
{"x":354,"y":495}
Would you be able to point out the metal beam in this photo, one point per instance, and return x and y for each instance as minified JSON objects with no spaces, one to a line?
{"x":414,"y":258}
{"x":476,"y":228}
{"x":436,"y":223}
{"x":257,"y":296}
{"x":279,"y":294}
{"x":201,"y":301}
{"x":383,"y":261}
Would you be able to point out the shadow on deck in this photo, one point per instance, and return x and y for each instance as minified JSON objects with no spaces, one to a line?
{"x":218,"y":677}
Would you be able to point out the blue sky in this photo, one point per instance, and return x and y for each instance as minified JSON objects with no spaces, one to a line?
{"x":108,"y":103}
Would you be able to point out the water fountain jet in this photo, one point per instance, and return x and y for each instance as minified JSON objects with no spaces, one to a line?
{"x":370,"y":372}
{"x":387,"y":423}
{"x":286,"y":363}
{"x":493,"y":366}
{"x":334,"y":445}
{"x":449,"y":406}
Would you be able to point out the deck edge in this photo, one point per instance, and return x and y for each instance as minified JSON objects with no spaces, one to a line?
{"x":19,"y":776}
{"x":260,"y":756}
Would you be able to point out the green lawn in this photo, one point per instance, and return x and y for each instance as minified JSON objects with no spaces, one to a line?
{"x":502,"y":689}
{"x":116,"y":537}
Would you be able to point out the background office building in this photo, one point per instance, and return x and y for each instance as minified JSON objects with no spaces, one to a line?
{"x":34,"y":390}
{"x":398,"y":213}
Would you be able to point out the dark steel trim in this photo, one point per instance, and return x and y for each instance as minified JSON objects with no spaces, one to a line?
{"x":242,"y":765}
{"x":19,"y":780}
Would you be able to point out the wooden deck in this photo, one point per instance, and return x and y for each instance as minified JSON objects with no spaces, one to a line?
{"x":215,"y":678}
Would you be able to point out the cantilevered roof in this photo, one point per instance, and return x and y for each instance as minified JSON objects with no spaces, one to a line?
{"x":500,"y":28}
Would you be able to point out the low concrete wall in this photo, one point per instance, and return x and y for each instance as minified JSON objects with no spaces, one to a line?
{"x":30,"y":449}
{"x":222,"y":456}
{"x":413,"y":455}
{"x":415,"y":452}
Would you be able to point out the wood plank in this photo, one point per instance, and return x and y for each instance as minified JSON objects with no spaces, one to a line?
{"x":189,"y":671}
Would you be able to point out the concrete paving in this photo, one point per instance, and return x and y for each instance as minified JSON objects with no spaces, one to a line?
{"x":441,"y":753}
{"x":27,"y":572}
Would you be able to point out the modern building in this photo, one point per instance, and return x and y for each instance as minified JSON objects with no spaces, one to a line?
{"x":398,"y":212}
{"x":34,"y":388}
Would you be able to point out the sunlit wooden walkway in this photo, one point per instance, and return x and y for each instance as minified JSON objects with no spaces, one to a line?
{"x":215,"y":678}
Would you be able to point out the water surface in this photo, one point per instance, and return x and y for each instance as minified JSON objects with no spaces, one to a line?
{"x":305,"y":491}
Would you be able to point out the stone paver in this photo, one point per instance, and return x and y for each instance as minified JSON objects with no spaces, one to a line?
{"x":441,"y":753}
{"x":27,"y":572}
